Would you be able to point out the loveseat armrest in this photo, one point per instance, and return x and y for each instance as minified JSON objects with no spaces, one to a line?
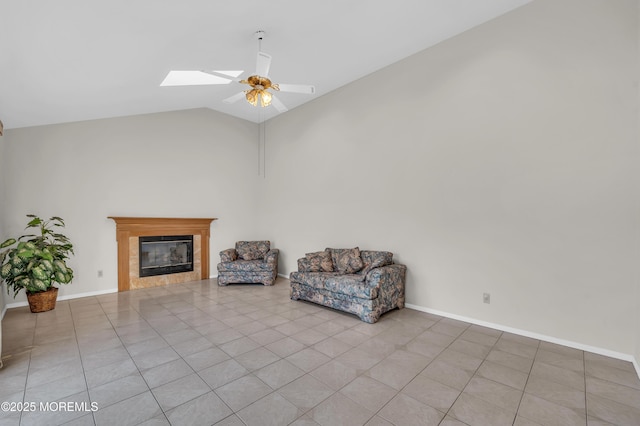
{"x":228,"y":255}
{"x":272,"y":257}
{"x":388,"y":278}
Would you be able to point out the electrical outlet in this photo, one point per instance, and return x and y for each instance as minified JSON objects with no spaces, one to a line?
{"x":486,"y":298}
{"x":99,"y":273}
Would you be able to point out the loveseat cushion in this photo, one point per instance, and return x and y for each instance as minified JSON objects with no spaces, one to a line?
{"x":312,"y":279}
{"x":244,"y":266}
{"x":375,"y":259}
{"x":346,"y":261}
{"x":252,"y":250}
{"x":320,"y":261}
{"x":352,"y":285}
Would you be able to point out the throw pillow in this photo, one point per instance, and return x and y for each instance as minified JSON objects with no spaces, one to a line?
{"x":375,"y":259}
{"x":346,"y":261}
{"x":320,"y":261}
{"x":252,"y":250}
{"x":304,"y":265}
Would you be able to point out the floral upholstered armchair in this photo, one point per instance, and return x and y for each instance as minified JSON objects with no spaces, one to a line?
{"x":249,"y":262}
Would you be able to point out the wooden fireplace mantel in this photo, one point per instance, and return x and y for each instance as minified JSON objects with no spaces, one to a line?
{"x":127,"y":227}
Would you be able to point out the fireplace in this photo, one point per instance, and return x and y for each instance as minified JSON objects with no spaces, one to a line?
{"x":166,"y":254}
{"x":130,"y":229}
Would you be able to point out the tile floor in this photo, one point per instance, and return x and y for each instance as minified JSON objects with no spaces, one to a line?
{"x":199,"y":354}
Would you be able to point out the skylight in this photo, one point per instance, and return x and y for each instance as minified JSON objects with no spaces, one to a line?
{"x":189,"y":78}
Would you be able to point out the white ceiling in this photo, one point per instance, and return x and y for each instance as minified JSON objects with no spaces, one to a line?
{"x":73,"y":60}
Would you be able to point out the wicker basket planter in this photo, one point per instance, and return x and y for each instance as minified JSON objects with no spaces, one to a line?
{"x":35,"y":262}
{"x":43,"y":301}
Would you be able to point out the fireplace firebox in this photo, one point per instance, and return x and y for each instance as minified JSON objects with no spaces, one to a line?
{"x":168,"y":254}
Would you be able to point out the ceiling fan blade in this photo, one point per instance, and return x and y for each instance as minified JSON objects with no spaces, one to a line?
{"x":227,"y":74}
{"x":277,"y":104}
{"x":234,"y":98}
{"x":263,"y":64}
{"x":193,"y":78}
{"x":297,"y":88}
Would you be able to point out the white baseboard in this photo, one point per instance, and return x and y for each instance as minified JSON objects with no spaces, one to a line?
{"x":636,"y":366}
{"x":537,"y":336}
{"x":91,"y":293}
{"x":71,"y":296}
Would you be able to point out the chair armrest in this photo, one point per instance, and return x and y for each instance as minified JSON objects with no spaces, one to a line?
{"x":272,"y":258}
{"x":228,"y":255}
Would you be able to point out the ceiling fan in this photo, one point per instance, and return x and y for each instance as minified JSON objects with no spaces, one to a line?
{"x":259,"y":83}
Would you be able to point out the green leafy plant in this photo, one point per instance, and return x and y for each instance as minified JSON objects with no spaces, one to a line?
{"x":34,"y":262}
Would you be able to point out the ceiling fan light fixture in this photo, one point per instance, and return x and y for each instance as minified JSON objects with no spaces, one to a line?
{"x":252,"y":97}
{"x":265,"y":98}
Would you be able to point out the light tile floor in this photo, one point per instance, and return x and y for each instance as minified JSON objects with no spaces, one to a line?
{"x":199,"y":354}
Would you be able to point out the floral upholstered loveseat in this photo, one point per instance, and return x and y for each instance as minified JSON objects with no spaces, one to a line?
{"x":249,"y":262}
{"x":366,"y":283}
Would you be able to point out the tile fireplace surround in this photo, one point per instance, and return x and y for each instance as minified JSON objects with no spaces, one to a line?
{"x":128,"y":231}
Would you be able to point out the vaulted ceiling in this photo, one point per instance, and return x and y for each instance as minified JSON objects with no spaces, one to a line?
{"x":74,"y":60}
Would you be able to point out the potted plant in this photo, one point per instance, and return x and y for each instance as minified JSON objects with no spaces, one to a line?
{"x":34,"y":262}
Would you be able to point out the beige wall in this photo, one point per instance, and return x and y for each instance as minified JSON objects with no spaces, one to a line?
{"x":89,"y":170}
{"x":501,"y":161}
